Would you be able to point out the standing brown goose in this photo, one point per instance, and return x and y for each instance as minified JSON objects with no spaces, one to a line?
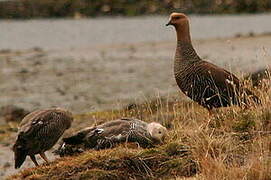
{"x":38,"y":132}
{"x":114,"y":132}
{"x":204,"y":82}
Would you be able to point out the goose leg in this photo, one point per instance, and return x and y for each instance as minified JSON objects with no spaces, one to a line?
{"x":44,"y":157}
{"x":34,"y":160}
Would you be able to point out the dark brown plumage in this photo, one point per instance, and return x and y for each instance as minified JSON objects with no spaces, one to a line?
{"x":204,"y":82}
{"x":114,"y":132}
{"x":38,"y":132}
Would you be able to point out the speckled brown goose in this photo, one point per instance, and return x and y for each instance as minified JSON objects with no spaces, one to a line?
{"x":114,"y":132}
{"x":204,"y":82}
{"x":38,"y":132}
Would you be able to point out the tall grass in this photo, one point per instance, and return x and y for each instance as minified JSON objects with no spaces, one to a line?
{"x":234,"y":143}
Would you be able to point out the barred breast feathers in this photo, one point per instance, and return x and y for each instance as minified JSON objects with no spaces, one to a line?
{"x":202,"y":81}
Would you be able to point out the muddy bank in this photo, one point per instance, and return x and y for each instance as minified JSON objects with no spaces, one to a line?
{"x":99,"y":77}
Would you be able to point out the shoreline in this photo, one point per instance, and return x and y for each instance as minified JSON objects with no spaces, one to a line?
{"x":94,"y":78}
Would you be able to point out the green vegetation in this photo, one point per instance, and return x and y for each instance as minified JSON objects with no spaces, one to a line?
{"x":78,"y":8}
{"x":232,"y":144}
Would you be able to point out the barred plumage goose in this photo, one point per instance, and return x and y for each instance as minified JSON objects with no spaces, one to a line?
{"x":202,"y":81}
{"x":38,"y":132}
{"x":109,"y":134}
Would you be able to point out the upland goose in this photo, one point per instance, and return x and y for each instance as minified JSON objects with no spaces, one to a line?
{"x":38,"y":132}
{"x":202,"y":81}
{"x":114,"y":132}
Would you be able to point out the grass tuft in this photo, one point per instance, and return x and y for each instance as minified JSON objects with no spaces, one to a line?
{"x":232,"y":144}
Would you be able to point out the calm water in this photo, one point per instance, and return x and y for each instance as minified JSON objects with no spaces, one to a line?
{"x":69,"y":33}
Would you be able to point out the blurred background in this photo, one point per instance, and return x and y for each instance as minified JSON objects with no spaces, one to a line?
{"x":92,"y":8}
{"x":91,"y":55}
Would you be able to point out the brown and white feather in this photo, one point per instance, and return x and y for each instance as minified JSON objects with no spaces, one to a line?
{"x":202,"y":81}
{"x":40,"y":130}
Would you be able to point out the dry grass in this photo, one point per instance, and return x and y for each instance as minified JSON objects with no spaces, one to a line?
{"x":233,"y":144}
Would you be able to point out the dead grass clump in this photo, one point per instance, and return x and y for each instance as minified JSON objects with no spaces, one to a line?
{"x":259,"y":168}
{"x":244,"y":122}
{"x":175,"y":148}
{"x":98,"y":174}
{"x":119,"y":162}
{"x":178,"y":167}
{"x":266,"y":120}
{"x":232,"y":144}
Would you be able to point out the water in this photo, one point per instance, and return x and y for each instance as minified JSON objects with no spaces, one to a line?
{"x":70,"y":33}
